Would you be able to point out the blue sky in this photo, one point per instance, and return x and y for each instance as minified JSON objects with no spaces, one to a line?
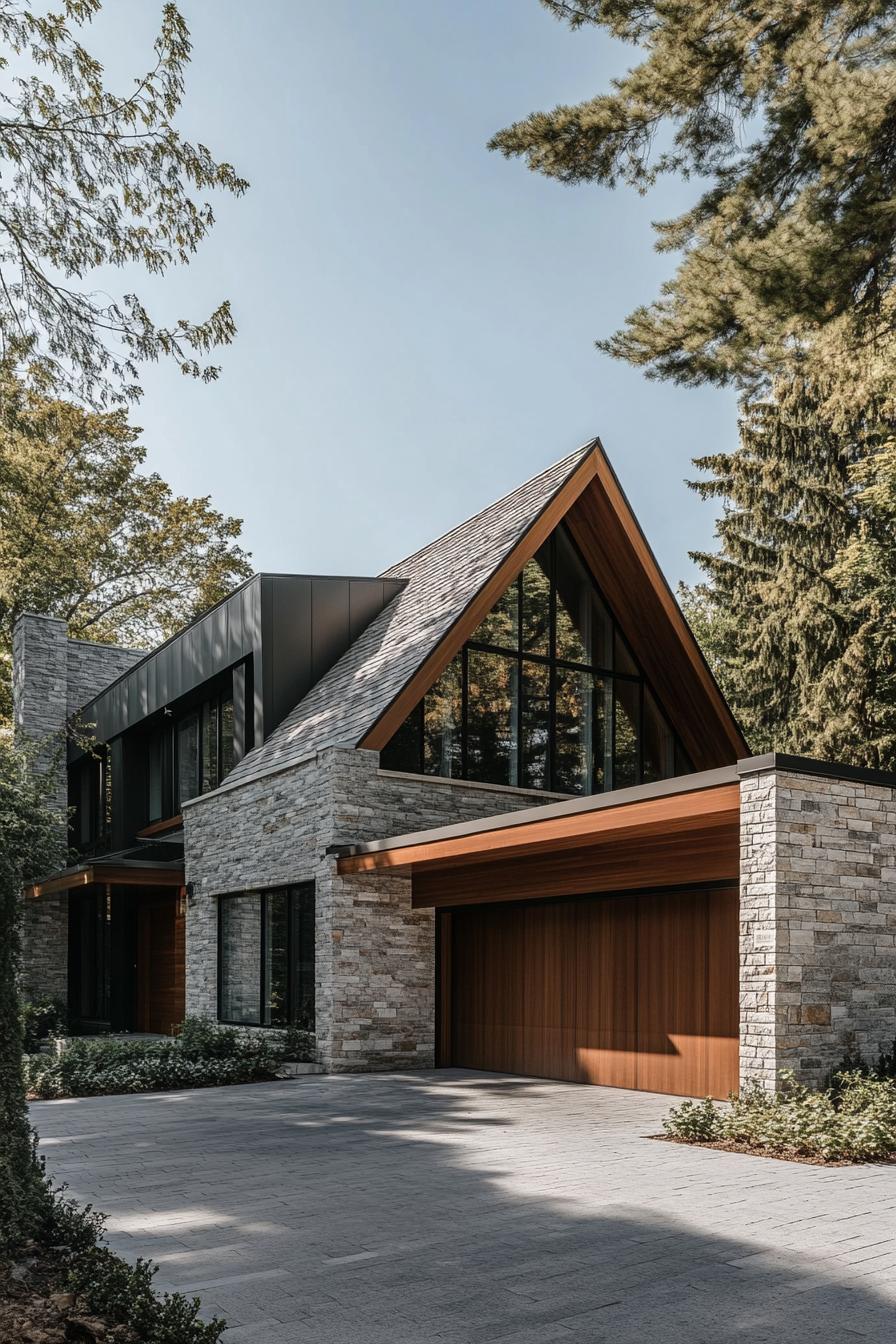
{"x":417,"y":315}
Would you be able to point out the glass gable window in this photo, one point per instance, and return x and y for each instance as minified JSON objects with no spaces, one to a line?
{"x":544,"y":695}
{"x":266,"y":957}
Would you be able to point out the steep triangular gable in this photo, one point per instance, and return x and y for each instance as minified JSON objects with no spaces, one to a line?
{"x":594,"y":509}
{"x":449,"y":582}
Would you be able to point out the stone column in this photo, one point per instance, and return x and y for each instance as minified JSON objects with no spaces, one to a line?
{"x":818,"y":920}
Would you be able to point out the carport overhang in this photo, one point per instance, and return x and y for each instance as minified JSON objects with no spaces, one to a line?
{"x":677,"y":832}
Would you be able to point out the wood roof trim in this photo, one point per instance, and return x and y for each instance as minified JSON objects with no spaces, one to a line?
{"x":119,"y":875}
{"x":481,"y":604}
{"x":159,"y":827}
{"x":623,"y":510}
{"x":671,"y":814}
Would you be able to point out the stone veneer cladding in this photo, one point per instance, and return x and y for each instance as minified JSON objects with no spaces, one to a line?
{"x":818,"y":922}
{"x":374,"y":953}
{"x":53,"y":676}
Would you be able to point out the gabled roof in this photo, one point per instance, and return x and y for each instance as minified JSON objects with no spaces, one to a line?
{"x":452,"y":583}
{"x":402,"y":645}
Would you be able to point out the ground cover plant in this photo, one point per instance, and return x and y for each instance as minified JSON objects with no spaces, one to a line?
{"x":853,"y":1121}
{"x":201,"y":1055}
{"x":58,"y":1282}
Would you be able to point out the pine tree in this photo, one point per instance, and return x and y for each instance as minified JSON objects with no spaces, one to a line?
{"x":787,"y":113}
{"x":786,"y":288}
{"x":796,"y":610}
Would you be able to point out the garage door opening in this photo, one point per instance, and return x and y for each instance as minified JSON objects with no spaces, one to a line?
{"x":634,"y":990}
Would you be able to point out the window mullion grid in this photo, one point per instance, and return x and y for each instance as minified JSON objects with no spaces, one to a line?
{"x":552,"y":664}
{"x":263,"y":932}
{"x":464,"y":704}
{"x":287,"y":1013}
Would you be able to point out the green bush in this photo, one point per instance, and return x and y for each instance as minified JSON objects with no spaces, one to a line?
{"x":120,"y":1293}
{"x":853,"y":1061}
{"x":203,"y":1055}
{"x":856,"y":1122}
{"x":299,"y":1045}
{"x":42,"y":1018}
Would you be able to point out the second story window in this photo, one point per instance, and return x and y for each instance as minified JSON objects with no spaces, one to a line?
{"x":544,"y":695}
{"x":190,"y":755}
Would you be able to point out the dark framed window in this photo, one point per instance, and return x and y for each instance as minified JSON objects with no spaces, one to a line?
{"x":545,"y":694}
{"x":266,"y":957}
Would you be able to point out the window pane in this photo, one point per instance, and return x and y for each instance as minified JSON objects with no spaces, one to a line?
{"x":501,"y":626}
{"x":584,"y":628}
{"x":623,"y":661}
{"x":625,"y":754}
{"x":188,"y":758}
{"x":535,"y":764}
{"x":492,"y":699}
{"x":575,"y":717}
{"x":226,"y":738}
{"x":240,"y":945}
{"x":683,"y":763}
{"x":275,"y":958}
{"x":442,"y":723}
{"x":537,"y":603}
{"x":659,"y":747}
{"x":209,"y":779}
{"x":403,"y":752}
{"x":302,"y":954}
{"x":155,"y":777}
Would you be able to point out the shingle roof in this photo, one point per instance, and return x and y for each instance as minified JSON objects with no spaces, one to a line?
{"x":443,"y":578}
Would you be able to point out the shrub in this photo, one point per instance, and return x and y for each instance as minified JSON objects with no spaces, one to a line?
{"x":853,"y":1061}
{"x":299,"y":1045}
{"x":201,"y":1056}
{"x":42,"y":1018}
{"x":856,"y":1123}
{"x":695,"y":1121}
{"x":121,"y":1293}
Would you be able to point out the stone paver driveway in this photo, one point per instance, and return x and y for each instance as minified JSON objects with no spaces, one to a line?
{"x":468,"y":1207}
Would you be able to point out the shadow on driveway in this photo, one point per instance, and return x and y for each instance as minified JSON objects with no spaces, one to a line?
{"x":456,"y":1206}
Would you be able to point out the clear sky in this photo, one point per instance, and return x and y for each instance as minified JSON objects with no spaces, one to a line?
{"x":416,"y":315}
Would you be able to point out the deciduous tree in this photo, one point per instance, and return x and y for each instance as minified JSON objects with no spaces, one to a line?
{"x":92,"y":177}
{"x":86,"y":536}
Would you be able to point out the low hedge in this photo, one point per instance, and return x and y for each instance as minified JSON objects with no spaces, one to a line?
{"x":202,"y":1055}
{"x":120,"y":1293}
{"x":852,"y":1121}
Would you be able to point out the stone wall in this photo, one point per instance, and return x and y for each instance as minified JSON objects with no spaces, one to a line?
{"x":93,"y":667}
{"x":374,"y":953}
{"x":818,"y":921}
{"x":52,"y":677}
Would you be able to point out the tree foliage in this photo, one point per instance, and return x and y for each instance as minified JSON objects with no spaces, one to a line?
{"x":797,"y":610}
{"x":85,"y":536}
{"x":31,"y":843}
{"x":786,"y":113}
{"x":89,"y":178}
{"x":785,"y":117}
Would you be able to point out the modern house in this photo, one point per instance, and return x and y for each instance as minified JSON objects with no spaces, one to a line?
{"x":486,"y":809}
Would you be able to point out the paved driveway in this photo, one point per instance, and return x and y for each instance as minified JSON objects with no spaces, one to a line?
{"x":468,"y":1207}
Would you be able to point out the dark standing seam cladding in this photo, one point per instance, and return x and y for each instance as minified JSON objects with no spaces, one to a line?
{"x":293,"y":628}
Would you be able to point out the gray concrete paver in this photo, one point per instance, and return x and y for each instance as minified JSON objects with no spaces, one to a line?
{"x":468,"y":1208}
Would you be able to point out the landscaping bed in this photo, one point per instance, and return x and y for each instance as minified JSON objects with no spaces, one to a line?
{"x":853,"y":1120}
{"x":201,"y":1055}
{"x":66,"y":1286}
{"x":36,"y":1308}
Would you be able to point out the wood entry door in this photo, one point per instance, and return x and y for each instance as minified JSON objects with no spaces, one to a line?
{"x":627,"y":991}
{"x":161,"y":987}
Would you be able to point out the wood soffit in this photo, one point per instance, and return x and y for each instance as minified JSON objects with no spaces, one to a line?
{"x":118,"y":875}
{"x":662,"y":818}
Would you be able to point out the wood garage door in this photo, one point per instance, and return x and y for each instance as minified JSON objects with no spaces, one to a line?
{"x":629,"y":991}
